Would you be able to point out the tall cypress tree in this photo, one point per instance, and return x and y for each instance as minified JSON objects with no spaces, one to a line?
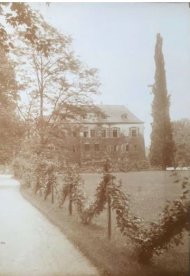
{"x":161,"y":150}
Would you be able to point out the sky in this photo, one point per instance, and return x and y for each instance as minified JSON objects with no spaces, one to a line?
{"x":119,"y":40}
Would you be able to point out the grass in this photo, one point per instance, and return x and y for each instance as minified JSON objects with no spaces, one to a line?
{"x":149,"y":192}
{"x":145,"y":189}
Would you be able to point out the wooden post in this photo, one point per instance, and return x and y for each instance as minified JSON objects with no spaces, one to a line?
{"x":70,"y":201}
{"x":109,"y":217}
{"x":52,"y":193}
{"x":109,"y":210}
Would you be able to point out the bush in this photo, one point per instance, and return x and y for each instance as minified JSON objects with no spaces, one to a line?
{"x":126,"y":165}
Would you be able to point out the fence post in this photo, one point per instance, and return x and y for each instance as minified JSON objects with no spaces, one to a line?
{"x":70,"y":201}
{"x":52,"y":193}
{"x":109,"y":217}
{"x":109,"y":209}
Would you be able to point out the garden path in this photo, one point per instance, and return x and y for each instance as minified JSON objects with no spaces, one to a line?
{"x":30,"y":244}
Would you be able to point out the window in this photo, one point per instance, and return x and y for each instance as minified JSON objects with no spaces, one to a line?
{"x":115,"y":132}
{"x":85,"y":133}
{"x":115,"y":148}
{"x":104,"y":133}
{"x":108,"y":148}
{"x":127,"y":147}
{"x":74,"y":134}
{"x":109,"y":133}
{"x":63,"y":133}
{"x":92,"y":133}
{"x":96,"y":147}
{"x":90,"y":116}
{"x":134,"y":132}
{"x":86,"y":147}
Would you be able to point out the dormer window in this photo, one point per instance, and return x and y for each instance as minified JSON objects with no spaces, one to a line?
{"x":90,"y":116}
{"x":124,"y":116}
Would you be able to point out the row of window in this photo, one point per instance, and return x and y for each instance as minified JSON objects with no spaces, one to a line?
{"x":108,"y":133}
{"x":110,"y":148}
{"x":96,"y":147}
{"x":104,"y":133}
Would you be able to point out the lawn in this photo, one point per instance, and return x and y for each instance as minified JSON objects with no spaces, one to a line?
{"x":148,"y":192}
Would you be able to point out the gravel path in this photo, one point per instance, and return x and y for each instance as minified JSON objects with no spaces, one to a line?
{"x":30,"y":244}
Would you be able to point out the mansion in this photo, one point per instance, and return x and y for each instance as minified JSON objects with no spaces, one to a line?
{"x":114,"y":132}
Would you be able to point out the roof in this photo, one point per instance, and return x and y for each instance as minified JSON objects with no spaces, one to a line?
{"x":114,"y":114}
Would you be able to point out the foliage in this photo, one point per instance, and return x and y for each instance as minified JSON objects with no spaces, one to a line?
{"x":181,"y":135}
{"x":139,"y":165}
{"x":36,"y":172}
{"x":95,"y":208}
{"x":11,"y":133}
{"x":56,"y":83}
{"x":50,"y":183}
{"x":162,"y":146}
{"x":161,"y":235}
{"x":11,"y":128}
{"x":72,"y":187}
{"x":59,"y":86}
{"x":23,"y":168}
{"x":108,"y":187}
{"x":16,"y":15}
{"x":168,"y":231}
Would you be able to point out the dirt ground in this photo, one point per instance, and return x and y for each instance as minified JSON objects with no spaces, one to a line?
{"x":30,"y":244}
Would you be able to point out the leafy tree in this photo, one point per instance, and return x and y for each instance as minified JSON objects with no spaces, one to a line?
{"x":13,"y":17}
{"x":162,"y":145}
{"x":59,"y":89}
{"x":10,"y":126}
{"x":16,"y":15}
{"x":55,"y":80}
{"x":181,"y":135}
{"x":60,"y":86}
{"x":8,"y":84}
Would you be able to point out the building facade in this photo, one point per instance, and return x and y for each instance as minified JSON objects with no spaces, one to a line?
{"x":114,"y":132}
